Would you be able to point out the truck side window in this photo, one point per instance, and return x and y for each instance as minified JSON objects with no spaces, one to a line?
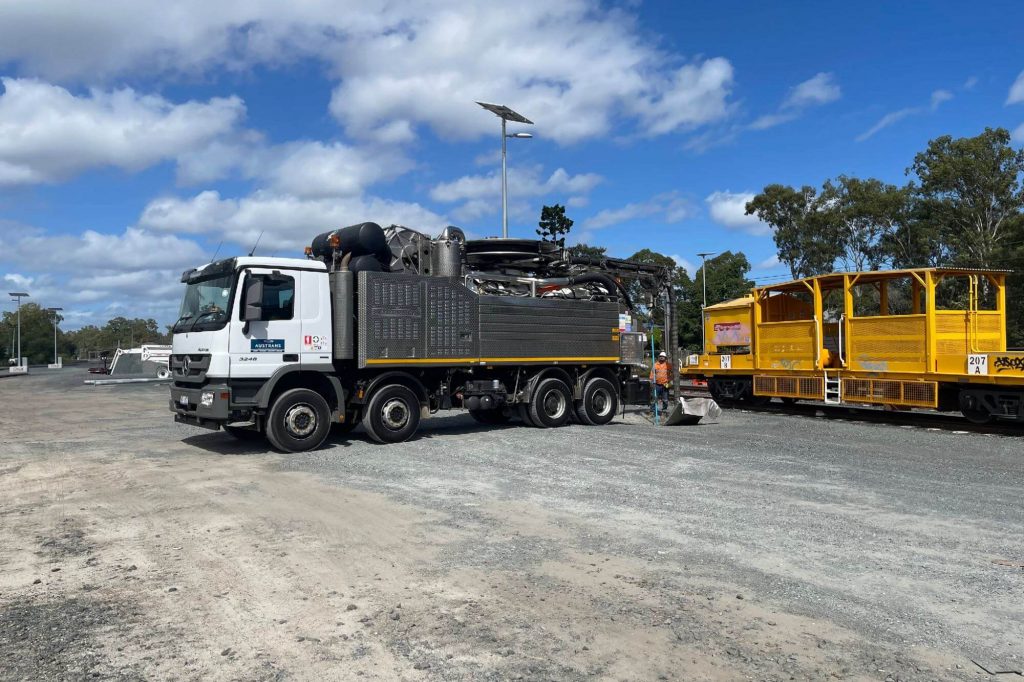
{"x":278,"y":297}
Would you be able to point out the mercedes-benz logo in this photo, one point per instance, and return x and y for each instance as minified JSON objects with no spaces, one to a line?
{"x":186,"y":365}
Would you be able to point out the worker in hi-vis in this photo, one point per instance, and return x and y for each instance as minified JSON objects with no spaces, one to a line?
{"x":660,"y":377}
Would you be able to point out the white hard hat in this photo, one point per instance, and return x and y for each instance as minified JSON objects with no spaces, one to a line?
{"x":662,"y":354}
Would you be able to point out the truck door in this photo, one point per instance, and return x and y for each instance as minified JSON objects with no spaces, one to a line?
{"x":274,"y":339}
{"x":316,"y":319}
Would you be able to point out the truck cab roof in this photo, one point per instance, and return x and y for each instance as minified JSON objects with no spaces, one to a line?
{"x":230,"y":265}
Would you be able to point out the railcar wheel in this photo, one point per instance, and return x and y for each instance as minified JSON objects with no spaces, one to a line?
{"x":392,"y":415}
{"x":600,"y":402}
{"x":299,"y":420}
{"x":972,"y":407}
{"x":550,"y":403}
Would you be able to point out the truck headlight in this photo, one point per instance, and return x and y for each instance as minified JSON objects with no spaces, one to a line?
{"x":206,"y":399}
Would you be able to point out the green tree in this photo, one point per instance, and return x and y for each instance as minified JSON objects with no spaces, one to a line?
{"x":587,"y":251}
{"x":869,"y":217}
{"x":805,"y":231}
{"x":36,"y":335}
{"x":972,"y":187}
{"x":554,"y":224}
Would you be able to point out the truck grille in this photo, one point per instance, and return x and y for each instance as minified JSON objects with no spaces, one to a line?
{"x":189,"y":368}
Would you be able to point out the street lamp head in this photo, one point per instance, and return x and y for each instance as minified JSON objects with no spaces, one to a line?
{"x":17,"y":294}
{"x":706,"y":254}
{"x":53,"y":310}
{"x":520,"y":136}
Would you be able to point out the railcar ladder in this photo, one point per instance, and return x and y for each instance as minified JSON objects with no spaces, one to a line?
{"x":833,"y":388}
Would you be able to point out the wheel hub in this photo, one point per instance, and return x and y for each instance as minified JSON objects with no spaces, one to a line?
{"x":395,"y":414}
{"x":300,"y":420}
{"x":554,"y":404}
{"x":602,"y":402}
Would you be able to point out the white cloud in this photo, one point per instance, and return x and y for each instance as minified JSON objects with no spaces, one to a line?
{"x":690,"y":267}
{"x":729,"y":210}
{"x":317,"y":170}
{"x":894,"y":117}
{"x":1018,"y":133}
{"x":576,"y":67}
{"x":815,"y":91}
{"x":768,"y":263}
{"x":48,"y":134}
{"x":133,"y":249}
{"x":970,"y":83}
{"x":1016,"y":93}
{"x":667,"y":208}
{"x":938,"y":97}
{"x":480,"y":194}
{"x":289,"y":222}
{"x":136,"y":272}
{"x":819,"y":89}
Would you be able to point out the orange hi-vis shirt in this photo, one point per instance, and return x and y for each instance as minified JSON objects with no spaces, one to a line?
{"x":660,"y":373}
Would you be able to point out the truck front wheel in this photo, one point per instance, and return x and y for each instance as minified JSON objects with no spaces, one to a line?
{"x":392,"y":415}
{"x":299,"y":420}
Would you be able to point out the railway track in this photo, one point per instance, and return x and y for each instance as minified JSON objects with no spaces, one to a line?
{"x":942,"y":421}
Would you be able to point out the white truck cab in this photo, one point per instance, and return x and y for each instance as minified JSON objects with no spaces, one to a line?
{"x":244,"y":321}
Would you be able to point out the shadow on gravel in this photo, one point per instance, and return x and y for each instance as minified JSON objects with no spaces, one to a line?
{"x":222,"y":443}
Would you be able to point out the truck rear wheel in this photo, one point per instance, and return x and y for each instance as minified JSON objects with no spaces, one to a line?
{"x":523,"y":410}
{"x":299,"y":420}
{"x":392,"y":415}
{"x":550,"y":403}
{"x":599,"y":404}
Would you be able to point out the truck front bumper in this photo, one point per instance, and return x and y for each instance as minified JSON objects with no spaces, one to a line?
{"x":207,"y":407}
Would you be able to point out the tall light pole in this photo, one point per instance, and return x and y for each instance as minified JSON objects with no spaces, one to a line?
{"x":506,"y":114}
{"x":18,"y":295}
{"x":55,"y":311}
{"x":704,"y":282}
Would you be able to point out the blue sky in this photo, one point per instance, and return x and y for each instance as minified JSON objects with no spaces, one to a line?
{"x":133,"y":141}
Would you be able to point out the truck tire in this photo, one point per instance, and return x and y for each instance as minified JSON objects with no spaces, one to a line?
{"x":550,"y":403}
{"x":493,"y":416}
{"x":599,"y":404}
{"x":392,"y":414}
{"x":523,"y":410}
{"x":299,"y":420}
{"x":242,"y":434}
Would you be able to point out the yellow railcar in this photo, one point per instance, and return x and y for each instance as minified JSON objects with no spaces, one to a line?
{"x":927,"y":337}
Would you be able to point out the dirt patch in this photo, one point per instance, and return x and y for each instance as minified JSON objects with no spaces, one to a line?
{"x":67,"y":541}
{"x":61,"y":639}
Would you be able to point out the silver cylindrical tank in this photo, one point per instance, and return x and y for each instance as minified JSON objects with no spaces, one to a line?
{"x":342,"y":302}
{"x":446,"y":258}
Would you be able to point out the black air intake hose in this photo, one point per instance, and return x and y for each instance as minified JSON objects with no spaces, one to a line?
{"x":607,"y":281}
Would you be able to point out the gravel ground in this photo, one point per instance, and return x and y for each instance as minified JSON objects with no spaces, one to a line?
{"x":761,"y":546}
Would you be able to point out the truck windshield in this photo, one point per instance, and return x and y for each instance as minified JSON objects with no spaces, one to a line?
{"x":205,"y":305}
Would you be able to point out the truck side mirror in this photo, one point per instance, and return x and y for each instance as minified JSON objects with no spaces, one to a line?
{"x":253,"y":309}
{"x":253,"y":299}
